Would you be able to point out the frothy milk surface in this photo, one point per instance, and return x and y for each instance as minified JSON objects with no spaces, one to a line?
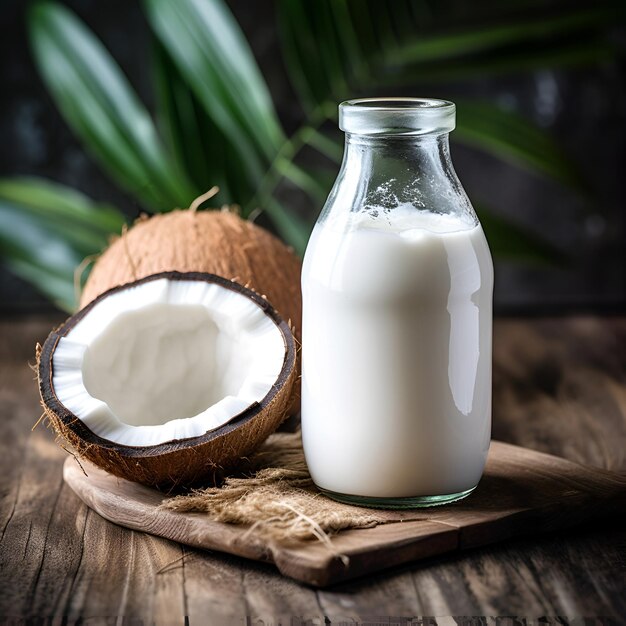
{"x":396,"y":387}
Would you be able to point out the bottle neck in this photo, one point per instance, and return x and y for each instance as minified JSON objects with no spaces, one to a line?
{"x":386,"y":171}
{"x":428,"y":153}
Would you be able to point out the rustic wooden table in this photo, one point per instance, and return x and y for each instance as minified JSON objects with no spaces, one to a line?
{"x":559,"y":387}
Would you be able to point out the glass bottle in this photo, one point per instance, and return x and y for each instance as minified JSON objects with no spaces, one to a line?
{"x":397,"y":289}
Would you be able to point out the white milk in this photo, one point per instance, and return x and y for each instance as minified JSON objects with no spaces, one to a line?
{"x":396,"y":394}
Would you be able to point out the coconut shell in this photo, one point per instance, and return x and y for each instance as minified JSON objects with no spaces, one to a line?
{"x":182,"y":463}
{"x":217,"y":242}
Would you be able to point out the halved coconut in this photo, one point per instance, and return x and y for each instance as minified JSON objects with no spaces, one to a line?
{"x":169,"y":380}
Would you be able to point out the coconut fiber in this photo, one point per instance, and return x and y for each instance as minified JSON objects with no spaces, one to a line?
{"x":276,"y":498}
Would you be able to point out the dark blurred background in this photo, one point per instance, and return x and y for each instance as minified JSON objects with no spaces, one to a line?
{"x":583,"y":107}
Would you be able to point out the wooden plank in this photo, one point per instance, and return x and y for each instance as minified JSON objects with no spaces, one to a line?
{"x":214,"y":588}
{"x":559,"y":386}
{"x":275,"y":599}
{"x":32,"y":533}
{"x":57,"y":558}
{"x":373,"y":600}
{"x":522,"y":492}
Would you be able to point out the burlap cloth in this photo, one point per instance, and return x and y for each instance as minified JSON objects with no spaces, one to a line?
{"x":276,"y":498}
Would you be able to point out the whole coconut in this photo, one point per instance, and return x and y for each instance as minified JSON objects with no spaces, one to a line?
{"x":215,"y":242}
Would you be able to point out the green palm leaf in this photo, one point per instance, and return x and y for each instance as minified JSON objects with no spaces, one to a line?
{"x":499,"y":37}
{"x":207,"y":49}
{"x":385,"y":45}
{"x":58,"y":288}
{"x":291,"y":227}
{"x":39,"y":255}
{"x":60,"y":204}
{"x":201,"y":147}
{"x":516,"y":243}
{"x":552,"y":55}
{"x":511,"y":137}
{"x":191,"y":135}
{"x":212,"y":54}
{"x":46,"y":230}
{"x":99,"y":104}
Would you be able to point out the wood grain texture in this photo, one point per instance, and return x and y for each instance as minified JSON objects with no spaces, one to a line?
{"x":559,"y":387}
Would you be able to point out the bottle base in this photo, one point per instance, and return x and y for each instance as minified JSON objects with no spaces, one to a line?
{"x":416,"y":502}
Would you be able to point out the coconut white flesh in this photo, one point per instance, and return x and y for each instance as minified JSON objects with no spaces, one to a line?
{"x":166,"y":360}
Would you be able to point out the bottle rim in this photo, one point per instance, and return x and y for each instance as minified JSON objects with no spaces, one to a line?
{"x":397,"y":116}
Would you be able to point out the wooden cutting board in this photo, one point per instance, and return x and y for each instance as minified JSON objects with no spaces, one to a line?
{"x":522,"y":492}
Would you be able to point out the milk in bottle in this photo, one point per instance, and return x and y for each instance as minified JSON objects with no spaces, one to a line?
{"x":397,"y":313}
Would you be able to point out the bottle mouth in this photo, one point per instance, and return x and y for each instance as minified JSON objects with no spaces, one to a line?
{"x":397,"y":116}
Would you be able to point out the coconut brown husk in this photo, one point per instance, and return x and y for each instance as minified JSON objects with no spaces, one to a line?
{"x":216,"y":242}
{"x":180,"y":463}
